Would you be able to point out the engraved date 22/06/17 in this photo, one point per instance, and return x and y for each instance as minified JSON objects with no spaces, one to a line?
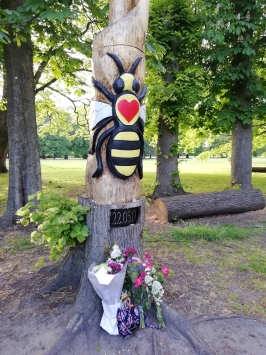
{"x":124,"y":217}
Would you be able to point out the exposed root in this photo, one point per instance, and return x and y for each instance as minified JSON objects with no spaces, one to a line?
{"x":69,"y":270}
{"x":7,"y":220}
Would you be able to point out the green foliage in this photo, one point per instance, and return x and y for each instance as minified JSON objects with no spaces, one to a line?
{"x":148,"y":149}
{"x":56,"y":146}
{"x":60,"y":221}
{"x":233,"y":37}
{"x":174,"y":91}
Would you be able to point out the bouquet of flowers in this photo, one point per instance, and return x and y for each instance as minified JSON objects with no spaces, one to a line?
{"x":107,"y":280}
{"x":147,"y":280}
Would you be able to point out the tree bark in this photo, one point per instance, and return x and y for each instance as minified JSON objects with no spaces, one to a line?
{"x":241,"y":159}
{"x":3,"y":134}
{"x":167,"y":175}
{"x":124,"y":37}
{"x":189,"y":206}
{"x":24,"y":163}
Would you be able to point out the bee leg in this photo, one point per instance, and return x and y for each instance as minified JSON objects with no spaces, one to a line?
{"x":101,"y":125}
{"x":101,"y":139}
{"x":142,"y":93}
{"x":103,"y":89}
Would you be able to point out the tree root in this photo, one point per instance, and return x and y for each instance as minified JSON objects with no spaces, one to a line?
{"x":69,"y":270}
{"x":7,"y":220}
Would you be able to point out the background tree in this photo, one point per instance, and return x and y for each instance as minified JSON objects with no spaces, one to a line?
{"x":55,"y":146}
{"x":24,"y":167}
{"x":234,"y":39}
{"x":46,"y":20}
{"x":174,"y":92}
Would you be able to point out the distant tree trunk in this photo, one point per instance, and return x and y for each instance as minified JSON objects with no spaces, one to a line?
{"x":167,"y":175}
{"x":66,"y":156}
{"x":241,"y":160}
{"x":24,"y":162}
{"x":3,"y":135}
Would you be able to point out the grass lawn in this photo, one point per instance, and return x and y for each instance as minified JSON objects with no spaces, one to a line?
{"x":68,"y":176}
{"x":223,"y":261}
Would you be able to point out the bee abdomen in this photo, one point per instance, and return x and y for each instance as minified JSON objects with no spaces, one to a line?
{"x":125,"y":152}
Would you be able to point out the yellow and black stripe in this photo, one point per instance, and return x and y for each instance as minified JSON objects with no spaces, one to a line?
{"x":125,"y":152}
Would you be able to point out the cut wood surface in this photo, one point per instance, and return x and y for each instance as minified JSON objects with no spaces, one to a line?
{"x":205,"y":204}
{"x":259,"y":169}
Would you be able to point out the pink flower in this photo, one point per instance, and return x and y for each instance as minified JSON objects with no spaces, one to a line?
{"x":165,"y":271}
{"x":148,"y":256}
{"x":138,"y":282}
{"x":149,"y":265}
{"x":142,"y":275}
{"x":130,"y":251}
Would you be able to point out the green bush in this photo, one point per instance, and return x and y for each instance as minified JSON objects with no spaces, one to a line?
{"x":60,"y":221}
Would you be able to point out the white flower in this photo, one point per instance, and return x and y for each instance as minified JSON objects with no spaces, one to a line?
{"x":148,"y":280}
{"x":157,"y":288}
{"x":116,"y":252}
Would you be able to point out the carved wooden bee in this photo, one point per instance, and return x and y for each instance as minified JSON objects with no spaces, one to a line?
{"x":125,"y":146}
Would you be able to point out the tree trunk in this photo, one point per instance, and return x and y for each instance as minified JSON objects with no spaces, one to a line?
{"x":167,"y":175}
{"x":241,"y":159}
{"x":189,"y":206}
{"x":3,"y":134}
{"x":24,"y":163}
{"x":124,"y":37}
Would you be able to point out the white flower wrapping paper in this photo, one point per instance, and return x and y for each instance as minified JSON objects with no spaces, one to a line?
{"x":108,"y":287}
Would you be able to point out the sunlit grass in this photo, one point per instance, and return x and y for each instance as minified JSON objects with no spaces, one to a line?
{"x":68,"y":176}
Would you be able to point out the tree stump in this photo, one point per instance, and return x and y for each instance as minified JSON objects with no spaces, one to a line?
{"x":205,"y":204}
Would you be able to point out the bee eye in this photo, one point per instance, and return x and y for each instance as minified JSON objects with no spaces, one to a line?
{"x":118,"y":85}
{"x":135,"y":85}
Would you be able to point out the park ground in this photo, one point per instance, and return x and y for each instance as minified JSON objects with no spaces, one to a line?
{"x":218,"y":268}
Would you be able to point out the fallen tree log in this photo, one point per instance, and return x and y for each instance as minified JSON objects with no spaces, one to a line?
{"x":205,"y":204}
{"x":258,"y":169}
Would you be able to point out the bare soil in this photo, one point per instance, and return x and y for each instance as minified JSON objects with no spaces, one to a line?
{"x":32,"y":321}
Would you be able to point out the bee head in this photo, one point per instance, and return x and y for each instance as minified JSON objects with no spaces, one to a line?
{"x":126,"y":80}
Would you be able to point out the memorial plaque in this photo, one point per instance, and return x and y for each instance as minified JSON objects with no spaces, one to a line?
{"x":124,"y":217}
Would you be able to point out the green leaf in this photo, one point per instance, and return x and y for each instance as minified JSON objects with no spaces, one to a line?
{"x":40,"y":262}
{"x":148,"y":304}
{"x":81,"y":238}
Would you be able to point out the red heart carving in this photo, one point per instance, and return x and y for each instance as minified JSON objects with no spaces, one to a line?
{"x":128,"y":109}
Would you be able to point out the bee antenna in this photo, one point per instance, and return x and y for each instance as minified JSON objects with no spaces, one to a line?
{"x":134,"y":65}
{"x":117,"y":62}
